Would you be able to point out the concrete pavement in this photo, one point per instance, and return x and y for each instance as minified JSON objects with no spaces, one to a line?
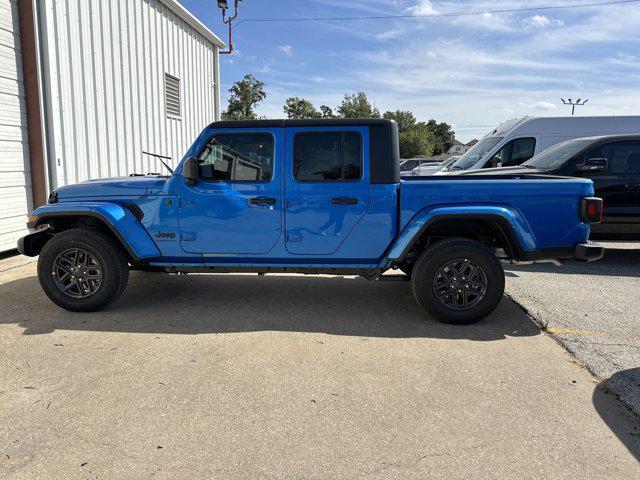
{"x":593,"y":309}
{"x":240,"y":376}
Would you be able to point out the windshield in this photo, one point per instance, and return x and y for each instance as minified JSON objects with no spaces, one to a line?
{"x":449,"y":161}
{"x":475,"y":153}
{"x":557,"y":155}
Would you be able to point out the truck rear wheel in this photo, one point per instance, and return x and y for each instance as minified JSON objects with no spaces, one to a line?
{"x":458,"y":281}
{"x":82,"y":270}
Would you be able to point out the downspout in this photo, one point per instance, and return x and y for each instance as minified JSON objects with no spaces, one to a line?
{"x":28,"y":24}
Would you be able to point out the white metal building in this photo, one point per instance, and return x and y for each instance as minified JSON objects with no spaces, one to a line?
{"x":15,"y":182}
{"x":87,"y":86}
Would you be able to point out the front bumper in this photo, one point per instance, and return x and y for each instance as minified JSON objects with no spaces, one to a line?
{"x":31,"y":245}
{"x":588,"y":252}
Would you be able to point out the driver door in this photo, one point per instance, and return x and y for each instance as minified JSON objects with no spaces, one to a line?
{"x":235,"y":207}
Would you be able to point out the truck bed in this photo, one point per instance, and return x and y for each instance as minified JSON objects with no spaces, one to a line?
{"x":544,"y":206}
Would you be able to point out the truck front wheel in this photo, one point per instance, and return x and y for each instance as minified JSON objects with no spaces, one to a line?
{"x":82,"y":270}
{"x":458,"y":281}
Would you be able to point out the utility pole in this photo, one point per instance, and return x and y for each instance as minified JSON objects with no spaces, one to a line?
{"x":573,"y":104}
{"x":224,"y":5}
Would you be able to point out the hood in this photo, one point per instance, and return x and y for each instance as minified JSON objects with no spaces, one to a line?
{"x":112,"y":187}
{"x":501,"y":171}
{"x":425,"y":171}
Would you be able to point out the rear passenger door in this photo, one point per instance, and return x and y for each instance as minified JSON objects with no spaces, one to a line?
{"x":619,"y":185}
{"x":326,"y":186}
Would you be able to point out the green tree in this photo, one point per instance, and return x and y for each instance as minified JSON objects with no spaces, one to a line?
{"x":295,"y":107}
{"x":416,"y":139}
{"x":404,"y":118}
{"x":326,"y":112}
{"x":246,"y":94}
{"x":443,"y":136}
{"x":356,"y":105}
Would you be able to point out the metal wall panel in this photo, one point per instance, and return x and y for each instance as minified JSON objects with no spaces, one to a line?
{"x":103,"y":65}
{"x":15,"y":179}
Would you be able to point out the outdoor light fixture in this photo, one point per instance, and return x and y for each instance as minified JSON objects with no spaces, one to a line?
{"x":574,"y":104}
{"x":224,"y":5}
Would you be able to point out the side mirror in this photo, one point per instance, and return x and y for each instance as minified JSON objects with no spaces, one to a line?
{"x":593,"y":165}
{"x":494,"y":162}
{"x":191,"y":170}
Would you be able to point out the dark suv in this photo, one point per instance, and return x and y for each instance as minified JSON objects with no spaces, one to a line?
{"x":612,"y":162}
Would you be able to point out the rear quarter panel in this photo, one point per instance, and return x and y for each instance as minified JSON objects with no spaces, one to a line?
{"x":549,"y":207}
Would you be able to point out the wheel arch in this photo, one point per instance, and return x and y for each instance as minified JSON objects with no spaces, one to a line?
{"x":117,"y":221}
{"x":494,"y":226}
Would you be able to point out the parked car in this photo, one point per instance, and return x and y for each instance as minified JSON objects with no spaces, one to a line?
{"x":308,"y":196}
{"x":408,"y":164}
{"x":516,"y":141}
{"x":611,"y":162}
{"x":426,"y":170}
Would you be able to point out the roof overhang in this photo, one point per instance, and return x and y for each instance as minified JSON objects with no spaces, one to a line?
{"x":177,"y":8}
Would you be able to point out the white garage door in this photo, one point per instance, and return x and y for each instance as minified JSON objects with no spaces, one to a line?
{"x":15,"y":179}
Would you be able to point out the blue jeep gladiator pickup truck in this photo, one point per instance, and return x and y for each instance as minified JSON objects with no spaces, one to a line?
{"x":313,"y":197}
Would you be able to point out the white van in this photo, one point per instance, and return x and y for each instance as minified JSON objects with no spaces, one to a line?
{"x":516,"y":141}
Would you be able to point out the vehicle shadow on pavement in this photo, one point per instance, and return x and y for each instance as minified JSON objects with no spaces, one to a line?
{"x":197,"y":304}
{"x":616,"y":263}
{"x":612,"y":411}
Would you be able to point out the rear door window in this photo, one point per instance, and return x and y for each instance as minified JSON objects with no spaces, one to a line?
{"x":327,"y":156}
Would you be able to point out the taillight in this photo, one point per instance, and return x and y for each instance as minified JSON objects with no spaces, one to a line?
{"x":592,"y":209}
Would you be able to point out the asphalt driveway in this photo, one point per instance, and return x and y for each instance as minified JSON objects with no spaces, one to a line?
{"x":285,"y":376}
{"x":593,"y":309}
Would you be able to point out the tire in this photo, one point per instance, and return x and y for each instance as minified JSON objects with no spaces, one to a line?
{"x":100,"y":270}
{"x":450,"y":263}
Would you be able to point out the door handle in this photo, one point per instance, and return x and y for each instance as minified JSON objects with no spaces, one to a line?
{"x":344,"y":201}
{"x":262,"y":201}
{"x":632,"y":186}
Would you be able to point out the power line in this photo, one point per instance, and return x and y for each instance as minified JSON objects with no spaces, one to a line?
{"x":440,"y":15}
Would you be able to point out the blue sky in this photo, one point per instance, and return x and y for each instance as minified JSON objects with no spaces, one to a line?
{"x":473,"y":72}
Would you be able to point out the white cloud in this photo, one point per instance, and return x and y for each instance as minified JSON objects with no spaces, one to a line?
{"x":539,"y":21}
{"x":423,"y":7}
{"x":542,"y":21}
{"x":390,"y":34}
{"x":538,"y":106}
{"x":286,"y":49}
{"x":544,"y":106}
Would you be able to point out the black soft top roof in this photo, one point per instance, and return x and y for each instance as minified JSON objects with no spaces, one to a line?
{"x":320,"y":122}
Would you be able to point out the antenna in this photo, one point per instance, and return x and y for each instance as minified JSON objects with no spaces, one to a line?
{"x":574,"y":104}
